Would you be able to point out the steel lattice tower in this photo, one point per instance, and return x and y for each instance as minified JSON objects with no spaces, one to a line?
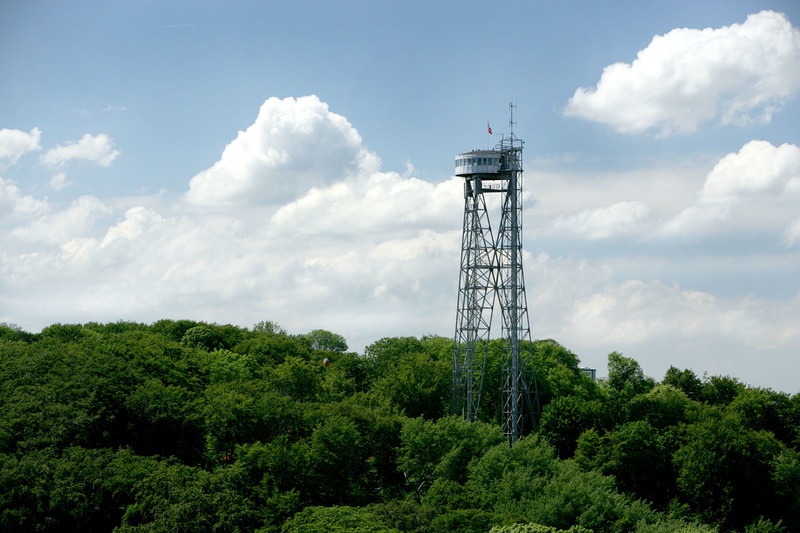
{"x":476,"y":295}
{"x":491,"y":271}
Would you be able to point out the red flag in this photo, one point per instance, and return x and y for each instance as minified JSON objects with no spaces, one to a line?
{"x":488,"y":127}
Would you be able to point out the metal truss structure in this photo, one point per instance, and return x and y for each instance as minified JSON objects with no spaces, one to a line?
{"x":491,"y":273}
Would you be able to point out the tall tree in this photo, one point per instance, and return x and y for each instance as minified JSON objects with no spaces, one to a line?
{"x":725,"y":471}
{"x":442,"y":449}
{"x":325,"y":341}
{"x":685,"y":380}
{"x":626,"y":376}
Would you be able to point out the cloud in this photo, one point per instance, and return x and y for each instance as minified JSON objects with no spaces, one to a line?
{"x":15,"y":143}
{"x":96,"y":148}
{"x":696,"y":220}
{"x":294,"y":145}
{"x":378,"y":203}
{"x":15,"y":204}
{"x":634,"y":311}
{"x":58,"y":181}
{"x":137,"y":220}
{"x":791,"y":235}
{"x":758,"y":167}
{"x":755,"y":188}
{"x":59,"y":226}
{"x":735,"y":74}
{"x":601,"y":223}
{"x":341,"y":233}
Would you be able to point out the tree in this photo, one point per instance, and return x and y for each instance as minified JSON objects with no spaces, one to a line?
{"x":172,"y":497}
{"x":243,"y":430}
{"x":340,"y":519}
{"x":271,"y":476}
{"x":662,"y":407}
{"x":558,"y":373}
{"x":668,"y":525}
{"x":763,"y":525}
{"x":173,"y":329}
{"x":684,"y":380}
{"x":12,"y":332}
{"x":567,"y":497}
{"x":786,"y":476}
{"x":379,"y":424}
{"x":344,"y":375}
{"x":297,"y":379}
{"x":165,"y":420}
{"x":270,"y":349}
{"x":638,"y":457}
{"x":725,"y":471}
{"x":417,"y":384}
{"x":511,"y":474}
{"x":79,"y":489}
{"x":641,"y":463}
{"x":239,"y":413}
{"x":48,"y":400}
{"x":536,"y":528}
{"x":626,"y":376}
{"x":565,"y":418}
{"x":463,"y":521}
{"x":438,"y":348}
{"x":202,"y":337}
{"x":442,"y":449}
{"x":65,"y":333}
{"x":223,"y":366}
{"x":720,"y":390}
{"x":383,"y":355}
{"x":269,"y":327}
{"x":325,"y":341}
{"x":339,"y":470}
{"x":764,"y":409}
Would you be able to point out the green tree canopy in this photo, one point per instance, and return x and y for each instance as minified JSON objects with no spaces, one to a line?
{"x":626,"y":376}
{"x":326,"y":341}
{"x":442,"y":449}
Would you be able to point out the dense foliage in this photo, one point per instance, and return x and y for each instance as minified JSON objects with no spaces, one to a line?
{"x":189,"y":426}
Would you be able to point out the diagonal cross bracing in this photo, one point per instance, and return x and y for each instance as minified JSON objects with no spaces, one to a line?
{"x":491,"y":272}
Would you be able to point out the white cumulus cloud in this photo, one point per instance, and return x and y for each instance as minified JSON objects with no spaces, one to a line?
{"x":59,"y":226}
{"x":735,"y":74}
{"x":15,"y":143}
{"x":758,"y":167}
{"x":295,"y":144}
{"x":752,"y":189}
{"x":635,"y":311}
{"x":601,"y":223}
{"x":137,"y":220}
{"x":14,"y":203}
{"x":377,"y":203}
{"x":341,"y":233}
{"x":95,"y":148}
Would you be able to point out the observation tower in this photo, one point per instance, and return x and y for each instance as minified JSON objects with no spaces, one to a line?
{"x":491,"y":273}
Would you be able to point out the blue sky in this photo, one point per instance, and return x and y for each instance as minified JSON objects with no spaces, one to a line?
{"x":292,"y":161}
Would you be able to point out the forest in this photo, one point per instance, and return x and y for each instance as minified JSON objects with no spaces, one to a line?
{"x":188,"y":426}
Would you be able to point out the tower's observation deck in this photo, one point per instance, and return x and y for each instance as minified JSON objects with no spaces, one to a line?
{"x":479,"y":162}
{"x":479,"y":166}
